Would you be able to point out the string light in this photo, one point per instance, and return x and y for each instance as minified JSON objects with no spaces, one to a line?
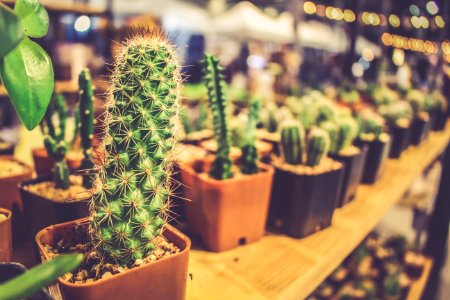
{"x":413,"y":44}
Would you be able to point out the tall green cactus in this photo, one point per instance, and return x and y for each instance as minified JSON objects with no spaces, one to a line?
{"x":249,"y":164}
{"x":130,"y":206}
{"x":221,"y":167}
{"x":54,"y":139}
{"x":270,"y":120}
{"x":292,"y":143}
{"x":86,"y":123}
{"x":348,"y":131}
{"x":333,"y":133}
{"x":318,"y":145}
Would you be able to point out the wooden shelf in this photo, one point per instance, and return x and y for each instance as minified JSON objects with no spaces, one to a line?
{"x":279,"y":267}
{"x":418,"y":287}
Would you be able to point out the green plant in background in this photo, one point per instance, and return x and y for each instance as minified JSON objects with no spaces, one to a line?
{"x":202,"y":119}
{"x":130,"y":207}
{"x":191,"y":124}
{"x":439,"y":102}
{"x":371,"y":126}
{"x":349,"y":96}
{"x":383,"y":95}
{"x":292,"y":143}
{"x":53,"y":127}
{"x":32,"y":281}
{"x":270,"y":118}
{"x":221,"y":167}
{"x":86,"y":123}
{"x":417,"y":100}
{"x":317,"y":148}
{"x":399,"y":113}
{"x":25,"y":68}
{"x":342,"y":132}
{"x":194,"y":91}
{"x":237,"y":130}
{"x":186,"y":121}
{"x":307,"y":112}
{"x":249,"y":160}
{"x":391,"y":286}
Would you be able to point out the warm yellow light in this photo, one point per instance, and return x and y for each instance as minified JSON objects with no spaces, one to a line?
{"x":394,"y":21}
{"x":429,"y":47}
{"x":337,"y":14}
{"x":309,"y":7}
{"x":367,"y":54}
{"x":415,"y":21}
{"x":365,"y":18}
{"x":386,"y":38}
{"x":349,"y":16}
{"x":398,"y":57}
{"x":329,"y":12}
{"x":439,"y":21}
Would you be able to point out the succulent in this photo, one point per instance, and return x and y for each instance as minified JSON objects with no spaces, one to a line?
{"x":130,"y":206}
{"x":214,"y":80}
{"x":292,"y":143}
{"x":399,"y":113}
{"x":350,"y":96}
{"x":318,"y":145}
{"x":249,"y":160}
{"x":383,"y":95}
{"x":371,"y":126}
{"x":342,"y":132}
{"x":53,"y":127}
{"x":307,"y":112}
{"x":86,"y":123}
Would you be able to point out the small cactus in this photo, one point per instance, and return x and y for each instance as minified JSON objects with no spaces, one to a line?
{"x":342,"y":133}
{"x":249,"y":160}
{"x":221,"y":167}
{"x":417,"y":100}
{"x":318,"y":145}
{"x":371,"y":126}
{"x":270,"y":118}
{"x":133,"y":186}
{"x":86,"y":123}
{"x":399,"y":113}
{"x":292,"y":143}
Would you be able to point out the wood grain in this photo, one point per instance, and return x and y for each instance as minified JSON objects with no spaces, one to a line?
{"x":279,"y":267}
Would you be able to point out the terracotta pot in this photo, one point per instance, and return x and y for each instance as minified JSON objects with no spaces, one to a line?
{"x":5,"y":236}
{"x":10,"y":270}
{"x":353,"y":171}
{"x":10,"y":199}
{"x":420,"y":128}
{"x":42,"y":212}
{"x":400,"y":140}
{"x":304,"y":204}
{"x":162,"y":279}
{"x":227,"y":213}
{"x":44,"y":164}
{"x":377,"y":153}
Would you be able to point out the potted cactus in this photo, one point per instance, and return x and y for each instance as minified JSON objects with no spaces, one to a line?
{"x":299,"y":205}
{"x":343,"y":132}
{"x":195,"y":123}
{"x":398,"y":116}
{"x":127,"y":228}
{"x":439,"y":110}
{"x":421,"y":123}
{"x":59,"y":196}
{"x":372,"y":136}
{"x":228,"y":204}
{"x":6,"y":235}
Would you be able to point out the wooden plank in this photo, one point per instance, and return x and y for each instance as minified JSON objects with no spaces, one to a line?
{"x":418,"y":287}
{"x":279,"y":267}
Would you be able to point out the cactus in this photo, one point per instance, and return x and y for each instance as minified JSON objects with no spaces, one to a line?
{"x":214,"y":80}
{"x":54,"y":139}
{"x":249,"y":164}
{"x":399,"y":113}
{"x":417,"y":100}
{"x":292,"y":143}
{"x":333,"y":133}
{"x":237,"y":130}
{"x":318,"y":145}
{"x":371,"y":126}
{"x":130,"y":206}
{"x":271,"y":119}
{"x":86,"y":123}
{"x":391,"y":285}
{"x":348,"y":130}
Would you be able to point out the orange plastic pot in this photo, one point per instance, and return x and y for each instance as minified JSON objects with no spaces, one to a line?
{"x":5,"y":236}
{"x":162,"y":279}
{"x":227,"y":213}
{"x":10,"y":198}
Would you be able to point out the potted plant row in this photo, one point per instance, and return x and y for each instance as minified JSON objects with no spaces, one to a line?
{"x":307,"y":183}
{"x":421,"y":123}
{"x":228,"y":204}
{"x":135,"y":252}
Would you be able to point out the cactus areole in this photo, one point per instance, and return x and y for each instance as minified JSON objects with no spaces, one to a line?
{"x":130,"y":205}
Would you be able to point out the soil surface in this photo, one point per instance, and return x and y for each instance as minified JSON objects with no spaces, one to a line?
{"x":48,"y":190}
{"x":11,"y":168}
{"x":326,"y":165}
{"x":94,"y":267}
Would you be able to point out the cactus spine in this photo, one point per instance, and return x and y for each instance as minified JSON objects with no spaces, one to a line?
{"x":318,"y":145}
{"x":86,"y":123}
{"x":130,"y":206}
{"x":221,"y":167}
{"x":54,"y":139}
{"x":249,"y":151}
{"x":292,"y":143}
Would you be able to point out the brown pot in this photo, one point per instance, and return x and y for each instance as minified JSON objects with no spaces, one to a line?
{"x":10,"y":198}
{"x":162,"y":279}
{"x":5,"y":236}
{"x":227,"y":213}
{"x":44,"y":164}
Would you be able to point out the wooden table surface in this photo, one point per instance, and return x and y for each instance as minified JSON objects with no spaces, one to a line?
{"x":279,"y":267}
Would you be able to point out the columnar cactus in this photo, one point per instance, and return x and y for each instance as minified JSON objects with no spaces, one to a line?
{"x":371,"y":126}
{"x":318,"y":145}
{"x":348,"y":131}
{"x":270,"y":120}
{"x":54,"y":128}
{"x":249,"y":151}
{"x":292,"y":143}
{"x":221,"y":167}
{"x":333,"y":132}
{"x":86,"y":123}
{"x":130,"y":206}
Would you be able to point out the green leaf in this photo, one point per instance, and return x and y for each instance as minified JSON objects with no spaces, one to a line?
{"x":11,"y":32}
{"x":33,"y":16}
{"x":32,"y":281}
{"x":27,"y":74}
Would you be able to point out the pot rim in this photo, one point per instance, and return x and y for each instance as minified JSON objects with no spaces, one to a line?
{"x":341,"y":167}
{"x":28,"y":171}
{"x":267,"y":170}
{"x":7,"y":213}
{"x":84,"y":221}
